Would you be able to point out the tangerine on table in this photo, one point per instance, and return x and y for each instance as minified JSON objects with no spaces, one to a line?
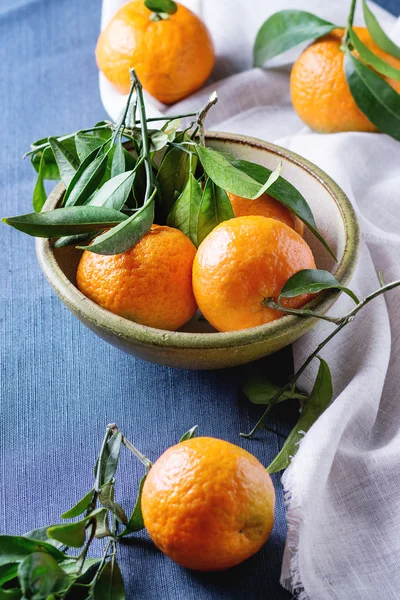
{"x":241,"y":263}
{"x":151,"y":283}
{"x":172,"y":57}
{"x":265,"y":206}
{"x":320,"y":93}
{"x":208,"y":504}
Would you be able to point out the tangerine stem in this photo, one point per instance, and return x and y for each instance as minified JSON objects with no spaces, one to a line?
{"x":350,"y":20}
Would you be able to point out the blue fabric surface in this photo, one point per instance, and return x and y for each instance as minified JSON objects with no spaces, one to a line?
{"x":60,"y":385}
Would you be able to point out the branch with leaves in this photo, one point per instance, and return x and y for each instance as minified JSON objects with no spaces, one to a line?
{"x":37,"y":565}
{"x":379,"y":102}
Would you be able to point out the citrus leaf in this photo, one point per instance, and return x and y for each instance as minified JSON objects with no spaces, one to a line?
{"x":184,"y":214}
{"x":109,"y":459}
{"x":14,"y":548}
{"x":40,"y":576}
{"x":75,"y":240}
{"x":260,"y":390}
{"x":286,"y":194}
{"x":71,"y":566}
{"x":136,"y":522}
{"x":318,"y":401}
{"x":86,"y":144}
{"x":67,"y":164}
{"x":125,"y":235}
{"x":110,"y":585}
{"x":189,"y":434}
{"x":66,"y":221}
{"x":102,"y":525}
{"x":86,"y":179}
{"x":114,"y":192}
{"x":51,"y":170}
{"x":7,"y":573}
{"x":40,"y":534}
{"x":39,"y":193}
{"x":270,"y":181}
{"x":286,"y":29}
{"x":312,"y":281}
{"x":172,"y":176}
{"x":72,"y":534}
{"x":158,"y":140}
{"x":377,"y":33}
{"x":214,"y":208}
{"x":106,"y":498}
{"x":379,"y":102}
{"x":80,"y":507}
{"x":372,"y":59}
{"x":11,"y":594}
{"x":118,"y":160}
{"x":161,"y":6}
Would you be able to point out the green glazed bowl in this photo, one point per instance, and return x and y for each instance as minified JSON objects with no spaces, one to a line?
{"x":197,"y":345}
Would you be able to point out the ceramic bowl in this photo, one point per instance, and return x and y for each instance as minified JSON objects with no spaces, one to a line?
{"x":197,"y":346}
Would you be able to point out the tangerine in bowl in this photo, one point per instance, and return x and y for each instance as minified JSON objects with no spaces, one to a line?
{"x":197,"y":344}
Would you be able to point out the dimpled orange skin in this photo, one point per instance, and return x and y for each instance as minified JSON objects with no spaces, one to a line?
{"x":242,"y":262}
{"x":151,"y":283}
{"x":320,"y":94}
{"x":208,"y":504}
{"x":265,"y":206}
{"x":172,"y":57}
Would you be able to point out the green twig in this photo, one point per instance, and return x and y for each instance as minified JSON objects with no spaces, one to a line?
{"x":350,"y":20}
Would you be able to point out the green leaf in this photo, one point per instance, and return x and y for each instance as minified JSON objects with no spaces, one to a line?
{"x":372,"y":59}
{"x":184,"y":214}
{"x":66,"y":221}
{"x":286,"y":29}
{"x":88,"y":178}
{"x":171,"y":128}
{"x":118,"y":160}
{"x":286,"y":194}
{"x":75,"y":240}
{"x":8,"y":573}
{"x":80,"y":507}
{"x":379,"y":102}
{"x":125,"y":235}
{"x":319,"y":400}
{"x":214,"y":208}
{"x":136,"y":522}
{"x":67,"y":164}
{"x":51,"y":170}
{"x":172,"y":176}
{"x":71,"y":565}
{"x":102,"y":525}
{"x":40,"y":534}
{"x":12,"y":594}
{"x":86,"y":144}
{"x":189,"y":434}
{"x":39,"y":193}
{"x":260,"y":390}
{"x":114,"y":193}
{"x":312,"y":281}
{"x":161,"y":6}
{"x":14,"y":548}
{"x":110,"y":458}
{"x":158,"y":140}
{"x":377,"y":33}
{"x":70,"y":534}
{"x":40,"y":576}
{"x":106,"y":498}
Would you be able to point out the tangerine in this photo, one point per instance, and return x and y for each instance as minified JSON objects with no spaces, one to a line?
{"x":240,"y":264}
{"x":320,"y":93}
{"x":208,"y":504}
{"x":151,"y":283}
{"x":172,"y":56}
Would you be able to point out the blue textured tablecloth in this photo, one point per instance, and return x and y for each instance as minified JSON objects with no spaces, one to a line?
{"x":60,"y":385}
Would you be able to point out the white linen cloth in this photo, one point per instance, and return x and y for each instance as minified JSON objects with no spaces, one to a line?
{"x":343,"y":487}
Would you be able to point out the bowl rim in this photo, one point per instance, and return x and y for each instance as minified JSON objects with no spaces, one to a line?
{"x":149,"y":336}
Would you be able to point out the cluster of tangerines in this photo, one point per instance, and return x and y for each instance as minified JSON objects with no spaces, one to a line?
{"x":173,"y":55}
{"x":162,"y":280}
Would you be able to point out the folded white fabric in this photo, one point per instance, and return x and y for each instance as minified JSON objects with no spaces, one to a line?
{"x":343,"y":486}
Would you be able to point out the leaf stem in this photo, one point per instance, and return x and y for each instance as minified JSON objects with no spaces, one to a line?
{"x":270,"y":302}
{"x":129,"y":446}
{"x":350,"y":20}
{"x":202,"y":114}
{"x":343,"y":322}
